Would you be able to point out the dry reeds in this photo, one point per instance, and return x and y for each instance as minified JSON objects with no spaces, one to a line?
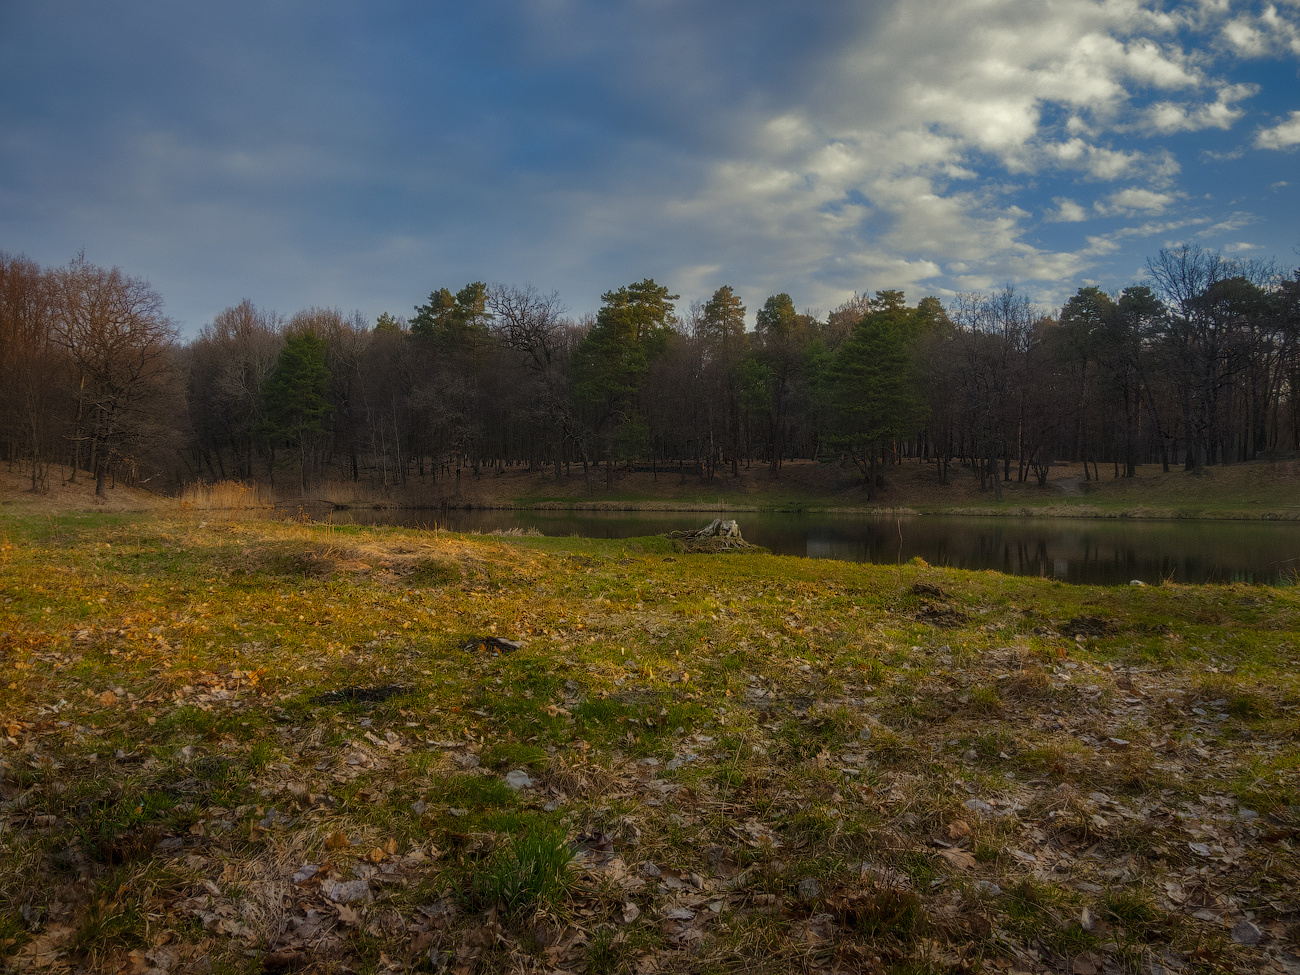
{"x":224,"y":495}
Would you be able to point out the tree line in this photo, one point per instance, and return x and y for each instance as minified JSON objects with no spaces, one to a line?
{"x":1197,"y":365}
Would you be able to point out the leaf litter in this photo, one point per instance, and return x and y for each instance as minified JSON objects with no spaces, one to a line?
{"x":758,"y":762}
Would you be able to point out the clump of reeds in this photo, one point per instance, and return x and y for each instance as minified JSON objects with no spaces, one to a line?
{"x":223,"y":495}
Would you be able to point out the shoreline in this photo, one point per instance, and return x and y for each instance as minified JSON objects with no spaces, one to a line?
{"x":1247,"y":493}
{"x":1052,"y":511}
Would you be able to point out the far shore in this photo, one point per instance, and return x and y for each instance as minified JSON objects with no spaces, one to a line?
{"x":1257,"y":491}
{"x":1020,"y":511}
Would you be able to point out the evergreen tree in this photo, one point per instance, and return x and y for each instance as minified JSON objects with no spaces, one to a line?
{"x":874,"y":387}
{"x":454,"y":323}
{"x":297,"y":397}
{"x":631,"y":329}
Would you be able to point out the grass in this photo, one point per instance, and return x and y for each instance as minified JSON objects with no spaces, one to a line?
{"x":528,"y":876}
{"x":194,"y":714}
{"x":1257,"y":490}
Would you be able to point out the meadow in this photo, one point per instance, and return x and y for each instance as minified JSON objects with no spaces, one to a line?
{"x":240,"y":746}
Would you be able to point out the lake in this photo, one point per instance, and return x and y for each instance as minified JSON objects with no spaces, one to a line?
{"x":1076,"y":550}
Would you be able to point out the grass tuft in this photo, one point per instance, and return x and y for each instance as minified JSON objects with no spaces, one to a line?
{"x":530,"y":874}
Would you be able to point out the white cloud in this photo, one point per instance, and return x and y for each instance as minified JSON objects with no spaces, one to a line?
{"x":1269,"y":33}
{"x":1281,"y":136}
{"x":1101,"y":245}
{"x":1067,"y":211}
{"x":1245,"y":38}
{"x":1229,"y":226}
{"x":1134,"y":199}
{"x":1167,"y":117}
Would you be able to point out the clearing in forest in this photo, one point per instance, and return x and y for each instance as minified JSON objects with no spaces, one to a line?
{"x":292,"y":748}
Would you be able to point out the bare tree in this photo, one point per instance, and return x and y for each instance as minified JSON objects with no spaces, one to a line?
{"x":533,"y":326}
{"x":1181,"y":277}
{"x":120,"y":344}
{"x":32,"y":369}
{"x":230,"y":363}
{"x":842,"y":318}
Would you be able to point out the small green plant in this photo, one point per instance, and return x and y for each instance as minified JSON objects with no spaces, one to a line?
{"x":529,"y":874}
{"x":260,"y":755}
{"x":833,"y":726}
{"x":1131,"y":908}
{"x":13,"y":933}
{"x":885,"y":912}
{"x":125,"y":830}
{"x":985,"y":700}
{"x":474,"y":792}
{"x":605,"y":953}
{"x":730,"y":778}
{"x":919,"y":867}
{"x":873,"y":670}
{"x":110,"y":926}
{"x":1249,"y":707}
{"x":508,"y":755}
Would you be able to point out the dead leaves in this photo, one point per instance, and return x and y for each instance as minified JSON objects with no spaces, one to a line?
{"x":959,"y":860}
{"x":678,"y":836}
{"x":46,"y":948}
{"x":684,"y":926}
{"x":754,"y":833}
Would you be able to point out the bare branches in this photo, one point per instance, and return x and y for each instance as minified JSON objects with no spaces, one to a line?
{"x":530,"y":322}
{"x":122,"y":348}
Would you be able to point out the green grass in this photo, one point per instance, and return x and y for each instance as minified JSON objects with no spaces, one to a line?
{"x":529,"y":875}
{"x":739,"y":722}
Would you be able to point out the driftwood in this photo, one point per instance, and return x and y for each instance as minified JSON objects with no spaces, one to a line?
{"x":717,"y":536}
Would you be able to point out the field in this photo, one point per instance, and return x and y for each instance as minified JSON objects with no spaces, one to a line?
{"x":242,"y":746}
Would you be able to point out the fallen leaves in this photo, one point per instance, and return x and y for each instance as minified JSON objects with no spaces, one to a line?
{"x":959,"y":859}
{"x":718,"y":744}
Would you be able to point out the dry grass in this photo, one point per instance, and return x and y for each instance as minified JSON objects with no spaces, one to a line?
{"x":265,"y":745}
{"x":225,"y":496}
{"x":64,"y":496}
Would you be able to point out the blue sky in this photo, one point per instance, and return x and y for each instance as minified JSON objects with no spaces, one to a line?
{"x":361,"y":155}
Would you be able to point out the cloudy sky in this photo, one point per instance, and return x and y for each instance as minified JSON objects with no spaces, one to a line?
{"x":360,"y":155}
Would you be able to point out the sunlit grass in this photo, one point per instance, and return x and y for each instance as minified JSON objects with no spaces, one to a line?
{"x":234,"y":701}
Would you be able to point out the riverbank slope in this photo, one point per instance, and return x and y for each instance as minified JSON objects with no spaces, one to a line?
{"x":1261,"y":490}
{"x":1256,"y":490}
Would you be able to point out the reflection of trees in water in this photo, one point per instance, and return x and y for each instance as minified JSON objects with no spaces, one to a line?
{"x":1032,"y":558}
{"x":1075,"y":551}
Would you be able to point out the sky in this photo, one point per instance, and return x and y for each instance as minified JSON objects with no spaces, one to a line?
{"x":361,"y":155}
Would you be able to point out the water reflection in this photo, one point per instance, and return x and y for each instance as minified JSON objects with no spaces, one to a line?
{"x":1109,"y":552}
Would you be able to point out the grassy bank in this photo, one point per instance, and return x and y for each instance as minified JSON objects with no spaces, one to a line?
{"x":287,"y":748}
{"x":1266,"y":491}
{"x":1255,"y":491}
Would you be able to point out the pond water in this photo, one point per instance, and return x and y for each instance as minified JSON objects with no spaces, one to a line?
{"x":1076,"y":550}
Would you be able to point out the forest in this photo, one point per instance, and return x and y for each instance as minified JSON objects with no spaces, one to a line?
{"x":1198,"y":364}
